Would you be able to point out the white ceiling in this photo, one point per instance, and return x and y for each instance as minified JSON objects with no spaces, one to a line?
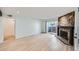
{"x":37,"y":12}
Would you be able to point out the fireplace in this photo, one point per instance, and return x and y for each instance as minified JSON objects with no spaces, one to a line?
{"x":64,"y":35}
{"x":66,"y":28}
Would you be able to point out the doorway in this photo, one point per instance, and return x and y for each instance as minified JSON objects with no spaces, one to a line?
{"x":9,"y":29}
{"x":51,"y":27}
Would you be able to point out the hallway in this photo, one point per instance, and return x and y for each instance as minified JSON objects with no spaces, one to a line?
{"x":41,"y":42}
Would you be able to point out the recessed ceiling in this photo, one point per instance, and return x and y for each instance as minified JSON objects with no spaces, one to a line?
{"x":37,"y":12}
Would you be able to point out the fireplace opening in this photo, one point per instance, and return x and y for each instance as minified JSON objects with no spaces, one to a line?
{"x":64,"y":34}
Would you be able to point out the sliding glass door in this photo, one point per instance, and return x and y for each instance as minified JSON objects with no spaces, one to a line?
{"x":51,"y":26}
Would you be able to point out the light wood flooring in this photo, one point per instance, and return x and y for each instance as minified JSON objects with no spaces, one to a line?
{"x":41,"y":42}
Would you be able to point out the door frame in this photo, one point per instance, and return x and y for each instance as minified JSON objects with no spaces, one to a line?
{"x":14,"y":29}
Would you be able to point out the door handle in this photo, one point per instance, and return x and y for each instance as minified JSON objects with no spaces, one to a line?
{"x":75,"y":36}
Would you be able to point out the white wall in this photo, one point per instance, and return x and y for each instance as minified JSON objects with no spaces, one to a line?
{"x":26,"y":27}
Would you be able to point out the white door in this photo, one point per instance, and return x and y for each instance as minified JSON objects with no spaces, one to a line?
{"x":78,"y":31}
{"x":8,"y":29}
{"x":1,"y":30}
{"x":76,"y":34}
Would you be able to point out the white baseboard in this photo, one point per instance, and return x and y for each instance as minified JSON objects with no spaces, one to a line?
{"x":18,"y":37}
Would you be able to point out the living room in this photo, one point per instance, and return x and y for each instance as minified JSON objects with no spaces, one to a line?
{"x":39,"y":28}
